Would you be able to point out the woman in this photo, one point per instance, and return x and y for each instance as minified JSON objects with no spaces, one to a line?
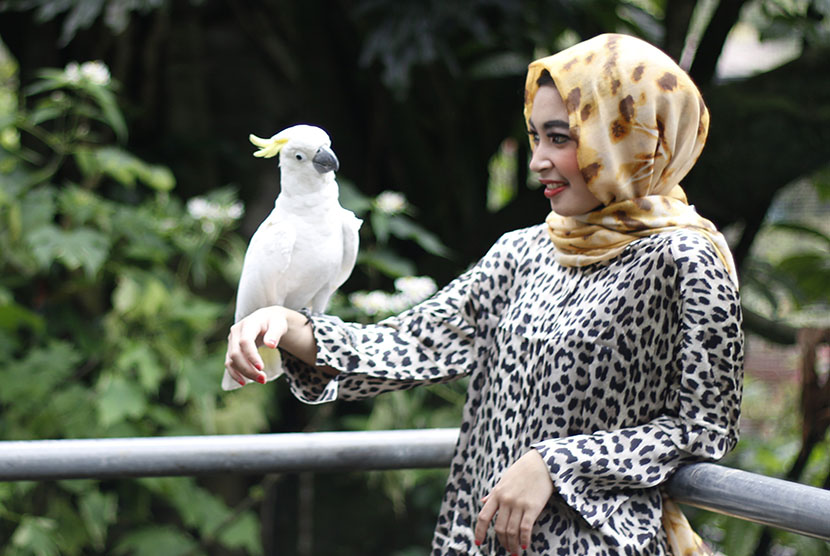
{"x":604,"y":347}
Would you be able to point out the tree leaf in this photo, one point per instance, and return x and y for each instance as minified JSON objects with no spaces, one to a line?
{"x":29,"y":381}
{"x":98,"y":511}
{"x":244,"y":534}
{"x":388,"y":263}
{"x":138,"y":355}
{"x":405,"y":228}
{"x":119,"y":399}
{"x":123,"y":167}
{"x":79,"y":248}
{"x":37,"y":208}
{"x":380,"y":226}
{"x":155,"y":540}
{"x":802,"y":228}
{"x":35,"y":535}
{"x":13,"y":317}
{"x":109,"y":107}
{"x":811,"y":274}
{"x":157,"y":177}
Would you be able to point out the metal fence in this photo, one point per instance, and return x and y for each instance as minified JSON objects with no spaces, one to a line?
{"x":782,"y":504}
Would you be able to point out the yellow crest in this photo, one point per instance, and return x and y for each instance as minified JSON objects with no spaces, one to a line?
{"x":268,"y":148}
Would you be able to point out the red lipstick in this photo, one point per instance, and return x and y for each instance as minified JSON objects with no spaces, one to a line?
{"x":553,"y":187}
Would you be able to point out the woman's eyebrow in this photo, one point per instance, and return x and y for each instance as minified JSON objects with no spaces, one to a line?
{"x":556,"y":123}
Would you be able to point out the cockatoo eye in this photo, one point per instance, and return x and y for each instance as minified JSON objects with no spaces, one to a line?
{"x":299,"y":157}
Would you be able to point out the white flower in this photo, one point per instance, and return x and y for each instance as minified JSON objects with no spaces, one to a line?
{"x":199,"y":207}
{"x":94,"y":72}
{"x":235,"y":211}
{"x":415,"y":288}
{"x":72,"y":72}
{"x":410,"y":291}
{"x":375,"y":302}
{"x":210,"y":213}
{"x":390,"y":202}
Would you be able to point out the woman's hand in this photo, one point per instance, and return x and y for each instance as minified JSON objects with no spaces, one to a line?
{"x":519,"y":497}
{"x":269,"y":327}
{"x":263,"y":327}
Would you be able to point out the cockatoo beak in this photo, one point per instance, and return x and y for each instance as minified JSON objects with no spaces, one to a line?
{"x":325,"y":161}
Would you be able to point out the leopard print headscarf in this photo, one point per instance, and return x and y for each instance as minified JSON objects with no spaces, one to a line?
{"x":640,"y":124}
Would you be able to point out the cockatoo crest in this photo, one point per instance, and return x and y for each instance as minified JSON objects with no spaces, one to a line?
{"x":305,"y":155}
{"x":268,"y":148}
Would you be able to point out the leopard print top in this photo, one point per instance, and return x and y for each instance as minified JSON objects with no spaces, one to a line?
{"x":617,"y":373}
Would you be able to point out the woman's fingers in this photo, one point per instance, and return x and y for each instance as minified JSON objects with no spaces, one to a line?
{"x":484,"y":517}
{"x":507,"y":524}
{"x":263,"y":327}
{"x":526,"y":527}
{"x":234,"y":375}
{"x":274,"y":331}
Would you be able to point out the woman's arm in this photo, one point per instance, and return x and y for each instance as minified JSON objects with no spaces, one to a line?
{"x":441,"y":339}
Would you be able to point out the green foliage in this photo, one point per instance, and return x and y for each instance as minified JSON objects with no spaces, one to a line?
{"x":390,"y":221}
{"x":106,"y":328}
{"x":80,"y":14}
{"x":786,"y":18}
{"x":789,"y":270}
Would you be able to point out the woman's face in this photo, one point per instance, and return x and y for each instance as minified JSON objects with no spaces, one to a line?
{"x":554,"y":156}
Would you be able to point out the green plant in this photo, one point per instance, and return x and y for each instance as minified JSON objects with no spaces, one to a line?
{"x":107,"y":326}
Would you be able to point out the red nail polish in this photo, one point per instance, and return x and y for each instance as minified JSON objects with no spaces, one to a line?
{"x":478,"y":542}
{"x":241,"y":382}
{"x":524,"y":547}
{"x":260,"y":379}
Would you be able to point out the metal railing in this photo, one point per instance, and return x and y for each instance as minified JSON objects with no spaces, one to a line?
{"x":783,"y":504}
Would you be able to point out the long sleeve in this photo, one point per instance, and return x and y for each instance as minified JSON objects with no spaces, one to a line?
{"x":595,"y":473}
{"x":440,"y":339}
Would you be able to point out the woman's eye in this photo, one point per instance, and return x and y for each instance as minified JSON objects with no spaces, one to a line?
{"x":559,"y":138}
{"x":534,"y":137}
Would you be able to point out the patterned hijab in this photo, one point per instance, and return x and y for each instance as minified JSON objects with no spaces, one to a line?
{"x":640,"y":124}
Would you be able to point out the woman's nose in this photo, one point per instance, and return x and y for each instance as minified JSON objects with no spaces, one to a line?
{"x":538,"y":161}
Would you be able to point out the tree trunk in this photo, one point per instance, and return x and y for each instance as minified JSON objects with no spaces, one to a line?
{"x":711,"y":44}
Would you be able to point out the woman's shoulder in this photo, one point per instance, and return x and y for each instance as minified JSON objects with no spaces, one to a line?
{"x":524,"y":238}
{"x":687,"y":250}
{"x":680,"y":244}
{"x":515,"y":247}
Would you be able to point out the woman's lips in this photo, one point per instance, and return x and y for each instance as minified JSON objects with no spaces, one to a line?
{"x":553,"y":188}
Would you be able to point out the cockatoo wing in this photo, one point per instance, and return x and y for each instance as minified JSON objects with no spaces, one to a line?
{"x":267,"y":260}
{"x":349,"y":228}
{"x":351,"y":241}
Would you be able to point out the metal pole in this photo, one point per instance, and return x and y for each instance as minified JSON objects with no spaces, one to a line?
{"x":195,"y":455}
{"x":783,"y":504}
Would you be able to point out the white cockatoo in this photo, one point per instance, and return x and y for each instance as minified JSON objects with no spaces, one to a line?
{"x":306,"y":248}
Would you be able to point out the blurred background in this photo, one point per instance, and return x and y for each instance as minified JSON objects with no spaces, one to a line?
{"x":128,"y":194}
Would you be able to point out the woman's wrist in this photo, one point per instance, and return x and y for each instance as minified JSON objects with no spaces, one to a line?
{"x":299,"y":339}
